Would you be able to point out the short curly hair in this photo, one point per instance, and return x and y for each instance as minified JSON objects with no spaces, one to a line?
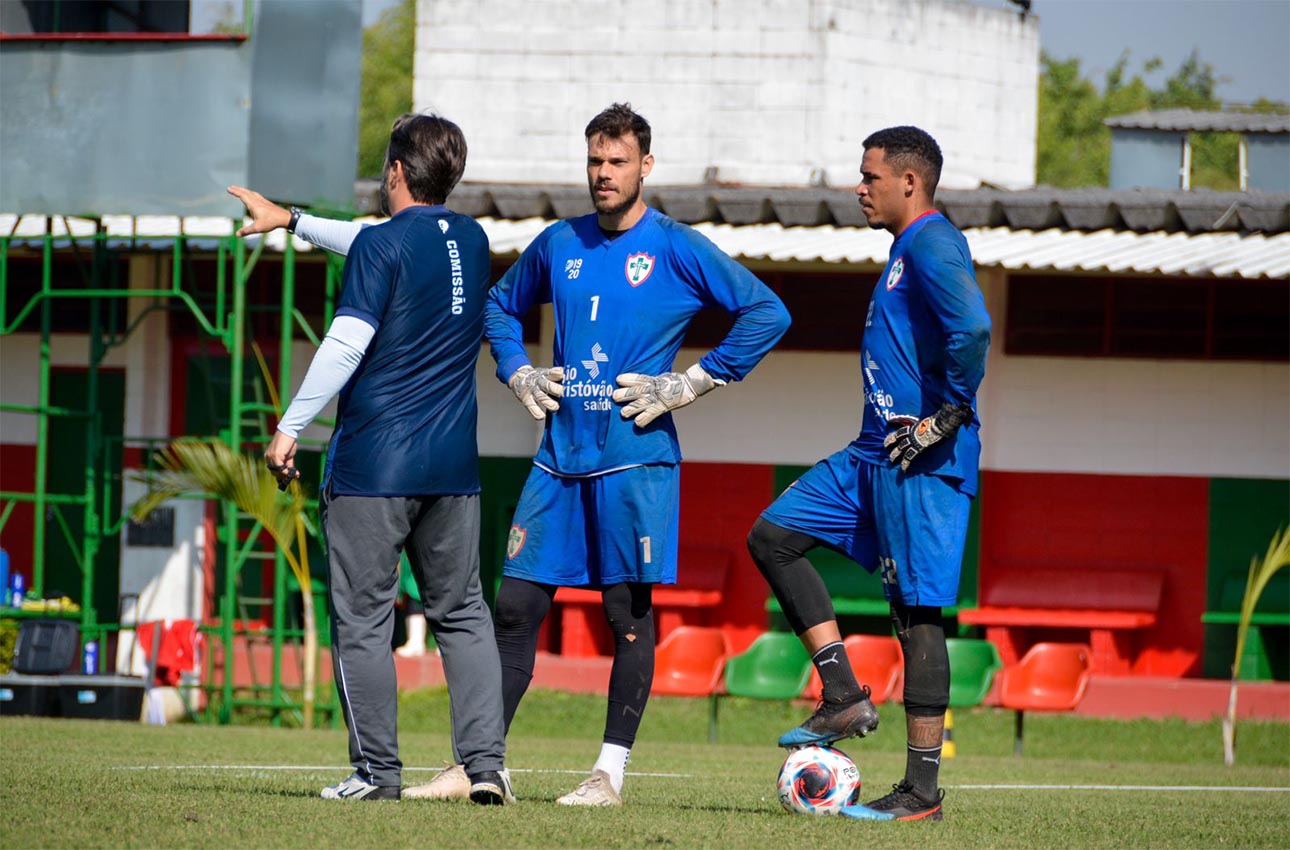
{"x":620,"y":120}
{"x":910,"y":148}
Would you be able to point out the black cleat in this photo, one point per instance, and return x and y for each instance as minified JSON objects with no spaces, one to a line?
{"x":904,"y":803}
{"x":833,"y":721}
{"x":491,"y":788}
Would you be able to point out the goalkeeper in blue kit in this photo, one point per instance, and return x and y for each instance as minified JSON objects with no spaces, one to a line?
{"x":896,"y":499}
{"x":600,"y":508}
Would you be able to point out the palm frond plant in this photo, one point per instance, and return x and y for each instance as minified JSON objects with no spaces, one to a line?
{"x":1261,"y":572}
{"x":190,"y":467}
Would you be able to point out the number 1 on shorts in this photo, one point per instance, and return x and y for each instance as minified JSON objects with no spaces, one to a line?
{"x":644,"y":541}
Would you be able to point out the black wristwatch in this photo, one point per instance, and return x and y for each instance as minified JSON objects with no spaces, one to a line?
{"x":296,"y":212}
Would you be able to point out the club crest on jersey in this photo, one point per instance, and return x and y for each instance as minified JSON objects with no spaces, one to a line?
{"x":639,"y":267}
{"x":515,"y":541}
{"x":897,"y":269}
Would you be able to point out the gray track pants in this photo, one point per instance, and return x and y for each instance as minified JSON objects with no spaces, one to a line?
{"x":365,"y":535}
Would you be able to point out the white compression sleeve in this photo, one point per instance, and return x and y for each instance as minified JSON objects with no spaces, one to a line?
{"x":337,"y":358}
{"x":335,"y":236}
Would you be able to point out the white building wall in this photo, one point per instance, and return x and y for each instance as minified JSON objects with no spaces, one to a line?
{"x":780,"y":92}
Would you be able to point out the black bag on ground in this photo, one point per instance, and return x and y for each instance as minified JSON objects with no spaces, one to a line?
{"x":46,"y":647}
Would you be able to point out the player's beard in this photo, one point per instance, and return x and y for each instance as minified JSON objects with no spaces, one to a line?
{"x":622,"y":206}
{"x":385,"y":195}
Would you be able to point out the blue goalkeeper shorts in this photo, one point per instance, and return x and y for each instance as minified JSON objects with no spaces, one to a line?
{"x":913,"y":526}
{"x":594,"y":532}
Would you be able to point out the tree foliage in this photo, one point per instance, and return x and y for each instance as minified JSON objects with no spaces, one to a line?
{"x":388,"y":48}
{"x":1074,"y":146}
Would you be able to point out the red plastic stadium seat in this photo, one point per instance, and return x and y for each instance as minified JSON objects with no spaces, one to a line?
{"x":877,"y":661}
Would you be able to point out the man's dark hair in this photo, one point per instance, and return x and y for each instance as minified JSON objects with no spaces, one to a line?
{"x":912,"y":149}
{"x":433,"y":152}
{"x":619,"y":120}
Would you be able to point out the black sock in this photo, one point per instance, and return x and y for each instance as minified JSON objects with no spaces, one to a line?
{"x":922,"y":770}
{"x":838,"y":678}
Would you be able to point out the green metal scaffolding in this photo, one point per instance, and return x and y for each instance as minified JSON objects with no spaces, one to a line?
{"x":221,"y":318}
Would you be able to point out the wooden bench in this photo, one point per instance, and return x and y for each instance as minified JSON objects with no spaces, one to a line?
{"x":1112,"y":603}
{"x":700,"y":586}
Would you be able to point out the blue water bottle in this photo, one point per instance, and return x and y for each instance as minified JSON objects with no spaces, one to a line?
{"x":4,"y":574}
{"x":90,"y":661}
{"x":16,"y":597}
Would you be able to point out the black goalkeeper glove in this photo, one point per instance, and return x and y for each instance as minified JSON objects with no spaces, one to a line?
{"x":913,"y":437}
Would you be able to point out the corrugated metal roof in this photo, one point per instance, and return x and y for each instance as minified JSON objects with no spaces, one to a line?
{"x":1189,"y":120}
{"x":1139,"y":210}
{"x":1104,"y":251}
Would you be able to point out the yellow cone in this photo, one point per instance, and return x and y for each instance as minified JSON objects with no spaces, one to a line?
{"x":948,"y":750}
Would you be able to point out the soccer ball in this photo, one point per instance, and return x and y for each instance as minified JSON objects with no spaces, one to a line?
{"x":818,"y":781}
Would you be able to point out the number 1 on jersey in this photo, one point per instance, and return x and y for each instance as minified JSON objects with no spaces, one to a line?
{"x":644,"y":541}
{"x":595,"y":306}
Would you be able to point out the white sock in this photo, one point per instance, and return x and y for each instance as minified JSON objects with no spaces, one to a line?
{"x":613,"y":760}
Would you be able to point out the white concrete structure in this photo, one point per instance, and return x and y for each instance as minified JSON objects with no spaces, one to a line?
{"x":778,"y":92}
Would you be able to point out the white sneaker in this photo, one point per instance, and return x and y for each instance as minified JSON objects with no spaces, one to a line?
{"x":595,"y":790}
{"x":451,"y":784}
{"x":356,"y":788}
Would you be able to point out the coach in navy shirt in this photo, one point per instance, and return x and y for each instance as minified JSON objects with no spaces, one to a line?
{"x":403,"y":463}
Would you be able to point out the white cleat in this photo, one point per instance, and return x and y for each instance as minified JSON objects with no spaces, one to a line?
{"x":595,"y":790}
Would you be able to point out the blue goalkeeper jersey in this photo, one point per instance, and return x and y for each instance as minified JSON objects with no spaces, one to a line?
{"x":623,"y":305}
{"x":925,"y":340}
{"x":405,"y":423}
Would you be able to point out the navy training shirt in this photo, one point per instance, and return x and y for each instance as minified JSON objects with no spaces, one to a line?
{"x":623,"y":304}
{"x":405,"y":425}
{"x":925,"y":340}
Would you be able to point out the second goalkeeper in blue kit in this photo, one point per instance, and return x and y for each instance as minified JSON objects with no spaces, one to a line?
{"x":601,"y":506}
{"x":896,"y":499}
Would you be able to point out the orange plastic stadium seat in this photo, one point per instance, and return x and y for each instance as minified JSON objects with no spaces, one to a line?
{"x":689,"y":662}
{"x":1051,"y":677}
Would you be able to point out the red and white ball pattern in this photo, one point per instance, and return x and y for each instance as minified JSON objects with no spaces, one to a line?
{"x":818,"y":781}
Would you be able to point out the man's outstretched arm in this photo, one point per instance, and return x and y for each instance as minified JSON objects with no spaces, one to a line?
{"x":327,"y":233}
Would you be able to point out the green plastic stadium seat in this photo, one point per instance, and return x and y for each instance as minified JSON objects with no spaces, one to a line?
{"x":775,"y":666}
{"x":973,"y":664}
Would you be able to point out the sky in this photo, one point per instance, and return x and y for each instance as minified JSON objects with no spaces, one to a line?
{"x":1245,"y":40}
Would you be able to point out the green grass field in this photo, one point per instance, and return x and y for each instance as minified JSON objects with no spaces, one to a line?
{"x":84,"y":784}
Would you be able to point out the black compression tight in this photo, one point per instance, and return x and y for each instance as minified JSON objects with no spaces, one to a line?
{"x":921,"y":630}
{"x":801,"y":592}
{"x":521,"y":607}
{"x":630,"y":614}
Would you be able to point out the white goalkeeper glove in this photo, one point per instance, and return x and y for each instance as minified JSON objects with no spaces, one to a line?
{"x":538,"y":389}
{"x":912,"y":437}
{"x":647,"y":397}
